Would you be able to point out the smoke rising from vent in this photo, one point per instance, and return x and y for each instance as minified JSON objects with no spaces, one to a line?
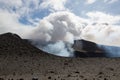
{"x":63,"y":27}
{"x":59,"y":48}
{"x":57,"y":29}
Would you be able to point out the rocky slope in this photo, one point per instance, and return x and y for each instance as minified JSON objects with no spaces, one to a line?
{"x":19,"y":60}
{"x":87,"y":49}
{"x":90,"y":49}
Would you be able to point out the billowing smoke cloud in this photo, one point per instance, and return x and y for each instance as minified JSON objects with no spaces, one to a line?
{"x":102,"y":28}
{"x":57,"y":29}
{"x":102,"y":34}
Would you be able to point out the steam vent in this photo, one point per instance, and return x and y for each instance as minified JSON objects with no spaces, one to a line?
{"x":19,"y":60}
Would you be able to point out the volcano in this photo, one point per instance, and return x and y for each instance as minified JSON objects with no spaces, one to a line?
{"x":19,"y":60}
{"x":13,"y":44}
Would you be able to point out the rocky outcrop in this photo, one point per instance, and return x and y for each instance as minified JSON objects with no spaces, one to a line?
{"x":87,"y":49}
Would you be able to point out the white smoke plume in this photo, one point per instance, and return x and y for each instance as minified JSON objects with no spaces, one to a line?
{"x":102,"y":28}
{"x":104,"y":31}
{"x":57,"y":29}
{"x":56,"y":33}
{"x":59,"y":48}
{"x":102,"y":34}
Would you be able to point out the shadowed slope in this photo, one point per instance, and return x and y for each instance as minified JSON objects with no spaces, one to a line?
{"x":12,"y":44}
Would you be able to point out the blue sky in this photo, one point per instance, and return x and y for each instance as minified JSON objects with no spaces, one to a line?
{"x":79,"y":8}
{"x":37,"y":9}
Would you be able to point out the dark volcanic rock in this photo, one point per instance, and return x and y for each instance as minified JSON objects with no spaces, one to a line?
{"x":85,"y":45}
{"x":90,"y":49}
{"x":87,"y":49}
{"x":12,"y":44}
